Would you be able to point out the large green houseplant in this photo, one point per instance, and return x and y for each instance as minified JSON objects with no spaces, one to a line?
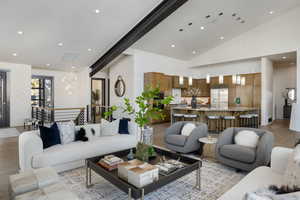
{"x":145,"y":109}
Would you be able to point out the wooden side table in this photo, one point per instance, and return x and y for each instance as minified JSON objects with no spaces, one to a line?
{"x":209,"y":147}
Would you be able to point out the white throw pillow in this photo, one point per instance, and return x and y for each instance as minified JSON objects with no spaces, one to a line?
{"x":292,"y":172}
{"x":246,"y":138}
{"x":66,"y":132}
{"x":109,"y":128}
{"x":187,"y":129}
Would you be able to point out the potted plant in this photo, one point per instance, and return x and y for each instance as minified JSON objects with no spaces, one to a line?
{"x":146,"y":110}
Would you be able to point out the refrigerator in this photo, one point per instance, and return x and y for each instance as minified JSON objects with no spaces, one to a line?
{"x":219,"y":98}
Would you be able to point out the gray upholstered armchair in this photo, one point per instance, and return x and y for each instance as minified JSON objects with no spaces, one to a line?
{"x":241,"y":157}
{"x":184,"y":144}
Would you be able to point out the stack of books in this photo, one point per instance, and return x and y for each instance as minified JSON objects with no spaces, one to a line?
{"x":110,"y":162}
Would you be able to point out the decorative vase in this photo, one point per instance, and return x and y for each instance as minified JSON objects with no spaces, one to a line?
{"x":194,"y":102}
{"x":130,"y":156}
{"x":147,"y":135}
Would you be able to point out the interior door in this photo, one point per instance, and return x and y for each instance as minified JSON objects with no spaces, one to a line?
{"x":4,"y":106}
{"x":98,"y":99}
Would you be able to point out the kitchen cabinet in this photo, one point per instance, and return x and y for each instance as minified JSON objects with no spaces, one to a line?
{"x":177,"y":85}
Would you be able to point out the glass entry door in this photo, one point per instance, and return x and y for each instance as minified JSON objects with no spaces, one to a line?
{"x":42,"y":91}
{"x":4,"y":105}
{"x":98,"y":99}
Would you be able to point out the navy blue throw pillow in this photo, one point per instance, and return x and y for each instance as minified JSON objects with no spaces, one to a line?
{"x":50,"y":136}
{"x":123,"y":126}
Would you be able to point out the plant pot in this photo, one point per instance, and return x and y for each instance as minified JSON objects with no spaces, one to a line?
{"x":147,"y":135}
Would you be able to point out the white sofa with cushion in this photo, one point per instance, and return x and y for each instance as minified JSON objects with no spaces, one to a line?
{"x":72,"y":155}
{"x":261,"y":176}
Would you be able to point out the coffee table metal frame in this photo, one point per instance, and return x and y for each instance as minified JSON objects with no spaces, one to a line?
{"x":139,"y":193}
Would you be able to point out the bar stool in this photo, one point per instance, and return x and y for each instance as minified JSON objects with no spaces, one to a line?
{"x":255,"y":120}
{"x":190,"y":117}
{"x":178,"y":117}
{"x":214,"y":119}
{"x":229,"y":120}
{"x":245,"y":120}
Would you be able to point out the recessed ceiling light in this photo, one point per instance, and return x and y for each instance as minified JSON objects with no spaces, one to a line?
{"x":283,"y":57}
{"x":202,"y":27}
{"x":15,"y":54}
{"x":221,"y":13}
{"x":60,"y":44}
{"x":271,"y":12}
{"x":73,"y":67}
{"x":89,"y":49}
{"x":222,"y":38}
{"x":181,"y":30}
{"x":20,"y":32}
{"x":190,"y":24}
{"x":194,"y":52}
{"x":97,"y":11}
{"x":173,"y":45}
{"x":48,"y":65}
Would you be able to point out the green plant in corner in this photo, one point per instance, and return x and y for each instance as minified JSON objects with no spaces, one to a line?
{"x":148,"y":108}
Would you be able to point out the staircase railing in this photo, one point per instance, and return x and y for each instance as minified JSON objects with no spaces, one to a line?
{"x":49,"y":115}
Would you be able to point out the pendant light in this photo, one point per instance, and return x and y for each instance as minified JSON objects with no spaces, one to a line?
{"x":234,"y":79}
{"x":221,"y":79}
{"x":190,"y":81}
{"x":181,"y":80}
{"x":208,"y":79}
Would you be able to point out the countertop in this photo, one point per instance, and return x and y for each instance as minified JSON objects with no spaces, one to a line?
{"x":207,"y":109}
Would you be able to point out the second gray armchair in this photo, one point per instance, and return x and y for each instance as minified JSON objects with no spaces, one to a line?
{"x":184,"y":144}
{"x":241,"y":157}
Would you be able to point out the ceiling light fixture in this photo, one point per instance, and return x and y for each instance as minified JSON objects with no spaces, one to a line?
{"x":89,"y":49}
{"x":207,"y":78}
{"x":190,"y":24}
{"x":284,"y":57}
{"x":194,"y":52}
{"x":73,"y":67}
{"x":173,"y":45}
{"x":271,"y":12}
{"x":15,"y":54}
{"x":97,"y":11}
{"x":20,"y":32}
{"x":181,"y":30}
{"x":202,"y":27}
{"x":222,"y":38}
{"x":60,"y":44}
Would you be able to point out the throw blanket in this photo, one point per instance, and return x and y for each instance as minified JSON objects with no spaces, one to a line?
{"x":267,"y":194}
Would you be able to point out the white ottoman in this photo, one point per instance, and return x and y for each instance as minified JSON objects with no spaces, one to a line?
{"x":52,"y":192}
{"x":32,"y":180}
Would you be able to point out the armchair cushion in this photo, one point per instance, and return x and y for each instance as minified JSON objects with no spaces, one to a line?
{"x":246,"y":138}
{"x":238,"y":153}
{"x":178,"y":140}
{"x":187,"y":129}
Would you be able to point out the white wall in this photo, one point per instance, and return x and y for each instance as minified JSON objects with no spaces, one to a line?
{"x":150,"y":62}
{"x":124,"y":67}
{"x":229,"y":68}
{"x":19,"y":84}
{"x":79,"y":87}
{"x":284,"y":77}
{"x":267,"y":75}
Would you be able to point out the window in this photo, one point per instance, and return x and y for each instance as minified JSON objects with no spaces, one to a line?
{"x":42,"y":91}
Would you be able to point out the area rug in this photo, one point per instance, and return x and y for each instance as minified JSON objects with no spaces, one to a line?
{"x":216,"y":179}
{"x":8,"y":132}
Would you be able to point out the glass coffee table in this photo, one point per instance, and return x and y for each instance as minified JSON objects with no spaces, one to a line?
{"x":133,"y":192}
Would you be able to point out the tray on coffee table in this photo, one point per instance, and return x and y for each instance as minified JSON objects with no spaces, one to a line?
{"x":191,"y":165}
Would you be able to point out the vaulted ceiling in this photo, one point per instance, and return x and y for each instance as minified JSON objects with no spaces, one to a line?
{"x":200,"y":25}
{"x":59,"y":34}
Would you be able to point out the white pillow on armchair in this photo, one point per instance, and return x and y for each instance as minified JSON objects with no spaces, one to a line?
{"x":246,"y":138}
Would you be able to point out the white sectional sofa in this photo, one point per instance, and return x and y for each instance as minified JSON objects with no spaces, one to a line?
{"x":261,"y":176}
{"x":72,"y":155}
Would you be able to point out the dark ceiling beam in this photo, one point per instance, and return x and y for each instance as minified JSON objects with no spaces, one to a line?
{"x":158,"y":14}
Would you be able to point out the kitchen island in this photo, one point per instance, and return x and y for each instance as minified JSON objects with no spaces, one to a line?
{"x":203,"y":111}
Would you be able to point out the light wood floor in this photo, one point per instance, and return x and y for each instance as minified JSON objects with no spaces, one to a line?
{"x":9,"y":149}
